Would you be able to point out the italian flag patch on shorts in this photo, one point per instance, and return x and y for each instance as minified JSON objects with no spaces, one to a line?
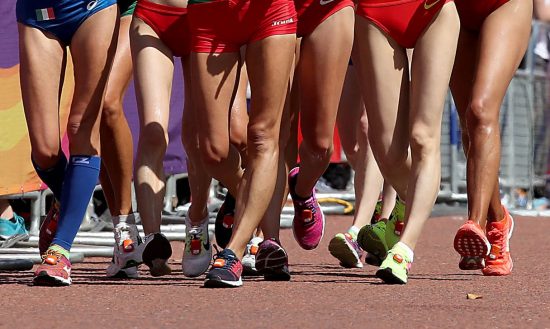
{"x":45,"y":14}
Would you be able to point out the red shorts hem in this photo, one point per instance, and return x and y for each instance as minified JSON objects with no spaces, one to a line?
{"x":311,"y":14}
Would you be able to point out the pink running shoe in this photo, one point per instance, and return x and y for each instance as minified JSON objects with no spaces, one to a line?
{"x":309,"y":221}
{"x":48,"y":228}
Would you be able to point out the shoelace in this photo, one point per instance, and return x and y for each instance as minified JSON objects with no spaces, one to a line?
{"x":229,"y":261}
{"x":496,"y":235}
{"x":51,"y":252}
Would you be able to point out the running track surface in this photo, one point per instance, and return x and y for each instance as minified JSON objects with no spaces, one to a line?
{"x":320,"y":295}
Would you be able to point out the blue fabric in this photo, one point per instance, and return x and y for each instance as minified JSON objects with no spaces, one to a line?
{"x":80,"y":180}
{"x":53,"y":177}
{"x":68,"y":15}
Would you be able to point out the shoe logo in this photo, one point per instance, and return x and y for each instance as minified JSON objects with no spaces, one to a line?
{"x":91,"y":5}
{"x":82,"y":160}
{"x":220,"y":262}
{"x":284,"y":21}
{"x":206,"y":244}
{"x":398,"y":258}
{"x":325,"y":2}
{"x":429,"y":6}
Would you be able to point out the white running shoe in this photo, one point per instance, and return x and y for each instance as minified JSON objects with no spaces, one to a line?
{"x":198,"y":251}
{"x":249,"y":258}
{"x":127,"y":240}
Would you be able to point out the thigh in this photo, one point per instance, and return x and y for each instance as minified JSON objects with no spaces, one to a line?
{"x":42,"y":61}
{"x":214,"y":78}
{"x":432,"y":64}
{"x":92,"y":49}
{"x":503,"y":40}
{"x":464,"y":71}
{"x":153,"y":75}
{"x":121,"y":73}
{"x":383,"y":70}
{"x":269,"y":63}
{"x":323,"y":62}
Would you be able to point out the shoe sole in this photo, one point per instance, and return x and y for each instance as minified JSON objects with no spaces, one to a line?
{"x":271,"y":264}
{"x":341,"y":250}
{"x":216,"y":283}
{"x":370,"y":242}
{"x":11,"y":240}
{"x":156,"y":255}
{"x":469,"y":244}
{"x":280,"y":274}
{"x":46,"y":280}
{"x":386,"y":275}
{"x":373,"y":260}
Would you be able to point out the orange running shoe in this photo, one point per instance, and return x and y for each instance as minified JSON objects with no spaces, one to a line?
{"x":499,"y":262}
{"x":55,"y":270}
{"x":471,"y":242}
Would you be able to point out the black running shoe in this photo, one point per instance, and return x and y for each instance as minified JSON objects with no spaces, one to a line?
{"x":224,"y":221}
{"x":156,"y":252}
{"x":225,"y":272}
{"x":272,"y":261}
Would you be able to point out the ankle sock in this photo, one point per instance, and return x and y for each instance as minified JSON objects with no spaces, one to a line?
{"x":408,"y":251}
{"x":60,"y":250}
{"x":54,"y":176}
{"x":353,"y":231}
{"x":80,"y":180}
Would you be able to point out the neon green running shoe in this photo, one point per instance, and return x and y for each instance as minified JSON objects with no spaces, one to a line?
{"x":395,"y":268}
{"x":396,"y":224}
{"x":378,"y":238}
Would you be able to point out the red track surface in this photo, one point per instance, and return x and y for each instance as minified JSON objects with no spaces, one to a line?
{"x":320,"y":295}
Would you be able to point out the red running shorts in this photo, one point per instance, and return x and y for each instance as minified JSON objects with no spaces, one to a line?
{"x":169,"y":22}
{"x":311,"y":13}
{"x":225,"y":25}
{"x":403,"y":20}
{"x":473,"y":12}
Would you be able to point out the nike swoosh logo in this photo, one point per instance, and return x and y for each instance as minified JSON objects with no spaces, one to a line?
{"x":429,"y":6}
{"x":206,"y":244}
{"x":325,"y":2}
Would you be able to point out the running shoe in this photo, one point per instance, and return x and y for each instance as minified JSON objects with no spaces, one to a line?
{"x":197,"y":252}
{"x":115,"y":271}
{"x":55,"y":270}
{"x":155,"y":252}
{"x":12,"y":231}
{"x":346,"y":250}
{"x":470,"y":242}
{"x":372,"y":259}
{"x":225,"y":272}
{"x":378,"y":238}
{"x":127,"y":241}
{"x":499,"y":262}
{"x":223,"y":228}
{"x":395,"y":268}
{"x":272,"y":261}
{"x":377,"y":215}
{"x":249,"y":258}
{"x":48,"y":228}
{"x":308,"y":224}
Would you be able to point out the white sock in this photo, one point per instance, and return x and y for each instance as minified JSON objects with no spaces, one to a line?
{"x":407,"y":249}
{"x":354,"y":231}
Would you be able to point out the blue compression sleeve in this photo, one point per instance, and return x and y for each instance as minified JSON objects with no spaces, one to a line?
{"x":53,"y":177}
{"x":80,"y":180}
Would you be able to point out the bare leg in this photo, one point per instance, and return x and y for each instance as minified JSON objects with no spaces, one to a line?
{"x":115,"y":135}
{"x":322,"y":72}
{"x":153,"y":98}
{"x":431,"y":70}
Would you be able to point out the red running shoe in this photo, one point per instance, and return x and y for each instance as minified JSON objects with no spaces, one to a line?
{"x":470,"y":241}
{"x":499,"y":262}
{"x":308,"y":224}
{"x":48,"y":228}
{"x":55,"y":270}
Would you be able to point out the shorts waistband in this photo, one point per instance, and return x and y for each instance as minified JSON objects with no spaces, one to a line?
{"x":162,"y":9}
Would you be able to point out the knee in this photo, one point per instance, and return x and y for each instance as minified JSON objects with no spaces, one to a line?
{"x":214,"y":153}
{"x":319,"y":149}
{"x":112,"y":110}
{"x":262,"y":139}
{"x":238,"y":138}
{"x":482,"y":116}
{"x":424,"y":142}
{"x":46,"y":155}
